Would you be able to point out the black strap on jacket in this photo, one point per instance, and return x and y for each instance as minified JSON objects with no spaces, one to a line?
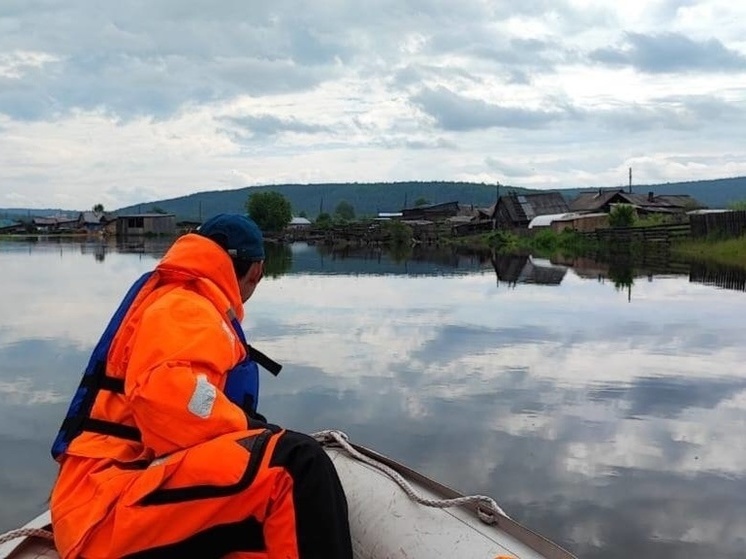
{"x":263,"y":360}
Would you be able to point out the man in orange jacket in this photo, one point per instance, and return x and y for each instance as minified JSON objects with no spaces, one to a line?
{"x":162,"y":453}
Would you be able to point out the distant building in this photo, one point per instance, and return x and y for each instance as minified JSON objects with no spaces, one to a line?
{"x":93,"y":222}
{"x":299,"y":223}
{"x":574,"y":221}
{"x":515,"y":211}
{"x":432,"y":212}
{"x":54,"y":224}
{"x":11,"y":226}
{"x":145,"y":224}
{"x":581,"y":222}
{"x":187,"y":226}
{"x":604,"y":200}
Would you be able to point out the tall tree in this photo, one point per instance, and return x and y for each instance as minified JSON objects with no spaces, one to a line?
{"x":345,"y":211}
{"x":98,"y":208}
{"x":271,"y":210}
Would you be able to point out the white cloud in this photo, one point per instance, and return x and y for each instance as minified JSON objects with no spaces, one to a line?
{"x":16,"y":64}
{"x":101,"y":104}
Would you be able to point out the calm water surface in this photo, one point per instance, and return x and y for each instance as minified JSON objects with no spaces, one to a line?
{"x":609,"y":417}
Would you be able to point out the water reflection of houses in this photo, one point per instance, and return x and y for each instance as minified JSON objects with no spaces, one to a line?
{"x":626,"y":271}
{"x":718,"y":275}
{"x":513,"y":269}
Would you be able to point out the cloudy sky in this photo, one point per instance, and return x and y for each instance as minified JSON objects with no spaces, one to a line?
{"x":134,"y":101}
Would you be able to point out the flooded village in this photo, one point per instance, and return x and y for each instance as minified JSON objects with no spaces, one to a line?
{"x":516,"y":234}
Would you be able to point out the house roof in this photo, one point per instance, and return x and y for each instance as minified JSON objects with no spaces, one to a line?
{"x":152,"y":214}
{"x":594,"y":201}
{"x":547,"y":219}
{"x":525,"y":207}
{"x":591,"y":201}
{"x":300,"y":221}
{"x":433,"y":208}
{"x":93,"y":218}
{"x":52,"y":220}
{"x":708,"y":211}
{"x":679,"y":201}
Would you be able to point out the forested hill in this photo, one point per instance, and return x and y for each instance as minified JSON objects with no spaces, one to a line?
{"x":370,"y":198}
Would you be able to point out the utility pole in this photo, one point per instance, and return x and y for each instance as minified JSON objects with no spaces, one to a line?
{"x":630,"y":180}
{"x":494,"y":213}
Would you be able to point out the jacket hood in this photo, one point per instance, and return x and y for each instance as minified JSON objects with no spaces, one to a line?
{"x":194,"y":256}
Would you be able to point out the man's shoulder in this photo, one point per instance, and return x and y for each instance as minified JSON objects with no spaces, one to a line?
{"x":182,"y":303}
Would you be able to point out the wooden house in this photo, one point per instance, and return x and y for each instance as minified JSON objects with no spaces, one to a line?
{"x":581,"y":222}
{"x":11,"y":226}
{"x":515,"y":211}
{"x":94,"y":222}
{"x":145,"y":224}
{"x":604,"y":200}
{"x":54,"y":224}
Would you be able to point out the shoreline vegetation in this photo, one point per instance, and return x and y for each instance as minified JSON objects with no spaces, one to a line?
{"x":545,"y":243}
{"x":720,"y":251}
{"x":731,"y":252}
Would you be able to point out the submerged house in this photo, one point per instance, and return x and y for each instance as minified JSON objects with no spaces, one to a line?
{"x":515,"y":211}
{"x":145,"y":224}
{"x":93,"y":222}
{"x":54,"y":224}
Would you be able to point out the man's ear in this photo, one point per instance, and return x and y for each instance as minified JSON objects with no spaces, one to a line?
{"x":256,"y":271}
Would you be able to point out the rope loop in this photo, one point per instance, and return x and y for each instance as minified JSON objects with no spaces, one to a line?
{"x":25,"y":533}
{"x":487,"y":509}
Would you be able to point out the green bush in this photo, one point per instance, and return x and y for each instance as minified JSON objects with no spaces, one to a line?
{"x":401,"y":234}
{"x":323,"y":221}
{"x":623,"y":215}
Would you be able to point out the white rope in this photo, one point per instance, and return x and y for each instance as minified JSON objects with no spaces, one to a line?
{"x":487,"y":508}
{"x":24,"y":533}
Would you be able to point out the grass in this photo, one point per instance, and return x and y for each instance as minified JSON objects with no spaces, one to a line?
{"x":728,"y":251}
{"x":543,"y":243}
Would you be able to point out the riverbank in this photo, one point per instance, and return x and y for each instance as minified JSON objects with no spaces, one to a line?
{"x":728,"y":251}
{"x":543,"y":242}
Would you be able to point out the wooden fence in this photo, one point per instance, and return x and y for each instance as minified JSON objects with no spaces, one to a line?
{"x":663,"y":234}
{"x":723,"y":225}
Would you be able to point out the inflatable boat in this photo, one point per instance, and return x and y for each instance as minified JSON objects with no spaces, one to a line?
{"x":394,"y":511}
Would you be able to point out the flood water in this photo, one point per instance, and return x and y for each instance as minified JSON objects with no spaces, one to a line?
{"x":603,"y":406}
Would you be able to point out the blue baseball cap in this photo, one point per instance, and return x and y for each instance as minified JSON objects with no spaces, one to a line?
{"x":238,"y":234}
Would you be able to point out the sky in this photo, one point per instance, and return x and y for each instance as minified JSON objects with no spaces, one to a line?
{"x":128,"y":102}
